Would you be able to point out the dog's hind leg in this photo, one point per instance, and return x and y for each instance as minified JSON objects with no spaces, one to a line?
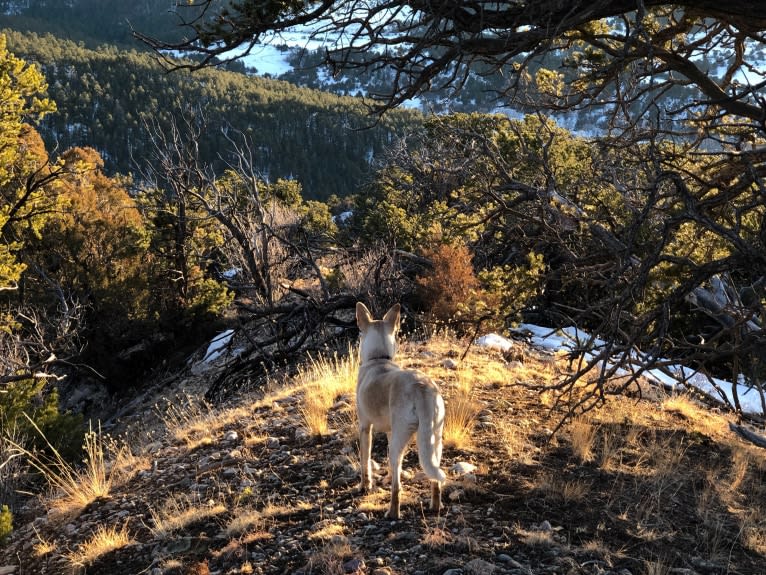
{"x":436,"y":496}
{"x":397,"y":448}
{"x":365,"y":448}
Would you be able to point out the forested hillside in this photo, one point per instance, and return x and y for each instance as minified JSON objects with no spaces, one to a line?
{"x":92,"y":22}
{"x":105,"y":98}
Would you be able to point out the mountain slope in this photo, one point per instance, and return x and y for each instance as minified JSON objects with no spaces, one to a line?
{"x":106,"y":97}
{"x":93,"y":22}
{"x":643,"y":486}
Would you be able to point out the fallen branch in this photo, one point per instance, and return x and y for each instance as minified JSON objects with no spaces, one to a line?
{"x":751,"y":436}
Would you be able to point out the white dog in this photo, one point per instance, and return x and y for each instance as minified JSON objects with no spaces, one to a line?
{"x":399,"y":402}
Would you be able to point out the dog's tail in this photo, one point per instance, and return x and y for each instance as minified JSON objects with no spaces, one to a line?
{"x":430,"y":424}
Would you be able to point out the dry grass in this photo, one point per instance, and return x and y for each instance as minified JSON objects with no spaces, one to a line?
{"x":564,"y":490}
{"x":536,"y":538}
{"x":193,"y":422}
{"x":244,"y":520}
{"x":436,"y":537}
{"x":73,"y":487}
{"x":609,"y":450}
{"x":103,"y":541}
{"x":189,"y":421}
{"x":377,"y":501}
{"x":459,"y":421}
{"x":514,"y":440}
{"x":326,"y":379}
{"x":656,"y":567}
{"x":583,"y":435}
{"x":178,"y":512}
{"x":666,"y":455}
{"x":326,"y":531}
{"x":272,"y":509}
{"x":43,"y":546}
{"x":329,"y":559}
{"x":124,"y":463}
{"x":701,"y":419}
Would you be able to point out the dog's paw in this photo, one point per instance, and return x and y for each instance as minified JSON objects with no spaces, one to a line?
{"x":436,"y":508}
{"x":365,"y":488}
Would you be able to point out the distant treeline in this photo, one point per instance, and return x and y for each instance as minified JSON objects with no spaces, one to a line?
{"x":93,"y":22}
{"x":106,"y":96}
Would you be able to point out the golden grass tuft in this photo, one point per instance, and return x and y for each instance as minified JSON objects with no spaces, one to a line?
{"x":701,"y":419}
{"x":583,"y":435}
{"x":43,"y":546}
{"x":244,"y":520}
{"x":329,"y":559}
{"x":73,"y":487}
{"x":567,"y":491}
{"x":272,"y":510}
{"x":194,"y":423}
{"x":459,"y":421}
{"x":514,"y":440}
{"x":608,"y":455}
{"x":436,"y":537}
{"x":325,"y":379}
{"x":178,"y":512}
{"x":656,"y":567}
{"x":103,"y":541}
{"x":326,"y":531}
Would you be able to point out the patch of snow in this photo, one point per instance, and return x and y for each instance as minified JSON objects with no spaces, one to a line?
{"x":494,"y":341}
{"x":218,"y":343}
{"x":342,"y":217}
{"x":266,"y":59}
{"x":672,"y":376}
{"x":215,"y":349}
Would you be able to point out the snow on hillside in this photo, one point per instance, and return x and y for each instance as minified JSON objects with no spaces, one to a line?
{"x":671,"y":376}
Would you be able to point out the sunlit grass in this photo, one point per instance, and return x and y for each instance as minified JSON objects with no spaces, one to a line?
{"x":103,"y":541}
{"x":178,"y":512}
{"x":459,"y":421}
{"x":73,"y":488}
{"x":245,"y":519}
{"x":325,"y":379}
{"x":326,"y":531}
{"x":583,"y":435}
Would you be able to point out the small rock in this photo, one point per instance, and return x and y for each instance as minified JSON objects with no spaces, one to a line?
{"x":456,"y":494}
{"x":338,"y":540}
{"x":478,"y":567}
{"x":545,"y":526}
{"x":463,"y":468}
{"x":449,"y":363}
{"x":272,"y":443}
{"x":231,"y":435}
{"x":354,"y":565}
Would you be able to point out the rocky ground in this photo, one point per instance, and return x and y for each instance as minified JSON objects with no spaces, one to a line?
{"x":643,"y":486}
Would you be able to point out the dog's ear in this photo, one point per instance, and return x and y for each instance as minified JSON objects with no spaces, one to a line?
{"x":363,"y":316}
{"x":393,"y":316}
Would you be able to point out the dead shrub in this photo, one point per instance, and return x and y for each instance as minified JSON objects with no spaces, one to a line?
{"x":451,"y":291}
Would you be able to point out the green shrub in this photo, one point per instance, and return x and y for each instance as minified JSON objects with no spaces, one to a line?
{"x":6,"y":522}
{"x":30,"y":397}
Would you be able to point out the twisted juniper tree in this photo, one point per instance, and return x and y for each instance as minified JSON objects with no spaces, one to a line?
{"x":652,"y":230}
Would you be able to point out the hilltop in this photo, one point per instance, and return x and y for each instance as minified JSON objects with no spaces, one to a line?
{"x":267,"y":483}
